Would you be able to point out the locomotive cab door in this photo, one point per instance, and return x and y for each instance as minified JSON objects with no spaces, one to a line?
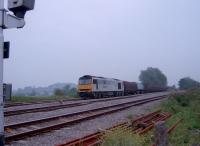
{"x":119,"y":86}
{"x":96,"y":83}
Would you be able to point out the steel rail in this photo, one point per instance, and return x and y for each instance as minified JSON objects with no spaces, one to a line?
{"x":42,"y":109}
{"x":100,"y":111}
{"x":151,"y":126}
{"x":95,"y":138}
{"x":7,"y":104}
{"x":174,"y":126}
{"x":60,"y":106}
{"x":21,"y":124}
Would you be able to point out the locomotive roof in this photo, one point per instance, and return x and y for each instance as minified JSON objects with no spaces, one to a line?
{"x":91,"y":76}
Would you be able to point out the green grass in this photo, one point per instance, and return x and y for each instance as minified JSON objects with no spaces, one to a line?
{"x":35,"y":99}
{"x":187,"y":107}
{"x":119,"y":137}
{"x":182,"y":106}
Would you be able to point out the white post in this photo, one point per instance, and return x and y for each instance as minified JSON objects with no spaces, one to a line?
{"x":1,"y":76}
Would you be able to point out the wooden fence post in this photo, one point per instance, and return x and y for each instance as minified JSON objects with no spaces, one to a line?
{"x":161,"y":136}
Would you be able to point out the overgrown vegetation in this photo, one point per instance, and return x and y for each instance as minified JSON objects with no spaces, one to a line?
{"x":185,"y":106}
{"x":120,"y":137}
{"x":182,"y":106}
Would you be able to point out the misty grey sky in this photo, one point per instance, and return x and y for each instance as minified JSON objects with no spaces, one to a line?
{"x":65,"y":39}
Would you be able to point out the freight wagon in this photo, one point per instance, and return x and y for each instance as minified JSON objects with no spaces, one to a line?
{"x":130,"y":88}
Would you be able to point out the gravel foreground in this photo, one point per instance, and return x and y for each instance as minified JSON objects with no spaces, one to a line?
{"x":86,"y":127}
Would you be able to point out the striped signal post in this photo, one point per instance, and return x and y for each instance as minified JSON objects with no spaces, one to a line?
{"x":7,"y":21}
{"x":1,"y":73}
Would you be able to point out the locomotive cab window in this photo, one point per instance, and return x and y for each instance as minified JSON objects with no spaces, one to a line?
{"x":119,"y":86}
{"x":85,"y":81}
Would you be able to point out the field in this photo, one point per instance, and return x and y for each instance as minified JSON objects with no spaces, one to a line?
{"x":37,"y":99}
{"x":184,"y":106}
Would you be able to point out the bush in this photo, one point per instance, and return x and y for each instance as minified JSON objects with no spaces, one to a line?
{"x":182,"y":100}
{"x":58,"y":92}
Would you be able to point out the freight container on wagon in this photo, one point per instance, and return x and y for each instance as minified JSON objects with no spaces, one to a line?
{"x":154,"y":88}
{"x":130,"y":88}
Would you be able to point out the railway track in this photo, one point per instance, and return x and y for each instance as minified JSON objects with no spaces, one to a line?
{"x":15,"y":104}
{"x":6,"y":105}
{"x":138,"y":126}
{"x":8,"y":112}
{"x":28,"y":128}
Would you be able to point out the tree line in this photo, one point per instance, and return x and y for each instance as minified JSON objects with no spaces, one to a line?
{"x":152,"y":77}
{"x":66,"y":91}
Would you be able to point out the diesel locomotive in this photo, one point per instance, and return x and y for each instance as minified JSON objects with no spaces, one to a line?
{"x":99,"y":87}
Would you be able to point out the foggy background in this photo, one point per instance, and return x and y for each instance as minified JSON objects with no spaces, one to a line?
{"x":65,"y":39}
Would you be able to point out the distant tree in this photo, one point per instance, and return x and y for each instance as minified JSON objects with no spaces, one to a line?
{"x":187,"y":83}
{"x":33,"y":92}
{"x":58,"y":92}
{"x":173,"y":86}
{"x":72,"y":92}
{"x":152,"y":77}
{"x":66,"y":89}
{"x":20,"y":94}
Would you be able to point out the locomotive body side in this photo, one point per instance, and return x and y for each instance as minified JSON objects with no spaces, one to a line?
{"x":106,"y":87}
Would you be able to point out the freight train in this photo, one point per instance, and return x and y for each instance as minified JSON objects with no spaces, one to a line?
{"x":99,"y":87}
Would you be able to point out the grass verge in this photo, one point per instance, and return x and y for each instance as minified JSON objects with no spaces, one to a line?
{"x":182,"y":106}
{"x":120,"y":137}
{"x":187,"y":107}
{"x":36,"y":99}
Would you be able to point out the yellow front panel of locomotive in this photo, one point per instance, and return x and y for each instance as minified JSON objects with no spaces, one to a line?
{"x":85,"y":88}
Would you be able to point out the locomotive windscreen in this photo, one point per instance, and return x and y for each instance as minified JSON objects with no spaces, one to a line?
{"x":85,"y":81}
